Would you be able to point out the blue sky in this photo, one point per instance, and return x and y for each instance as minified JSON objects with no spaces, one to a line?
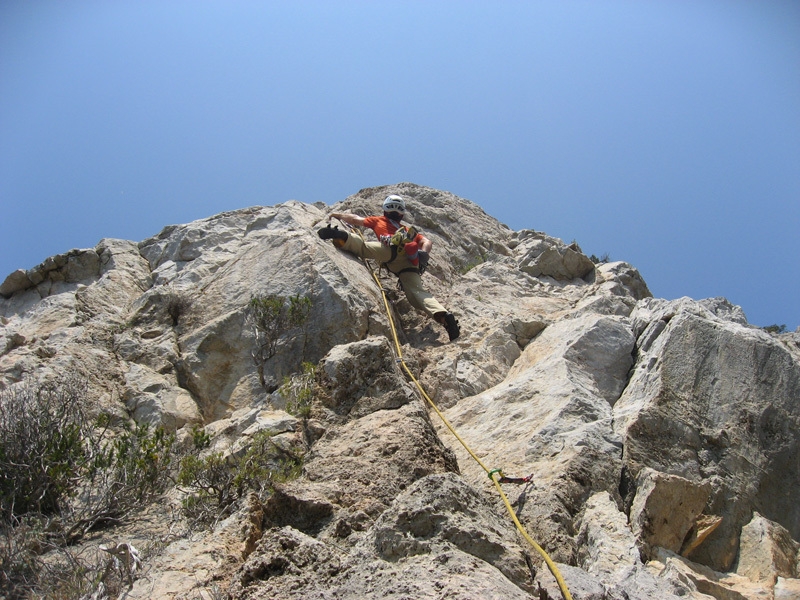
{"x":663,"y":133}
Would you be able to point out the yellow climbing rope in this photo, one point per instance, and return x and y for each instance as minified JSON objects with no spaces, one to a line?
{"x":491,"y":473}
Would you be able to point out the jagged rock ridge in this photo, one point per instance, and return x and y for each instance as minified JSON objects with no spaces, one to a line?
{"x":637,"y":417}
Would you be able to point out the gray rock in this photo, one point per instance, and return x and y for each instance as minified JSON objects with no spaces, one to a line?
{"x":606,"y":544}
{"x":713,"y":400}
{"x":543,"y":256}
{"x":566,"y":372}
{"x":15,"y":282}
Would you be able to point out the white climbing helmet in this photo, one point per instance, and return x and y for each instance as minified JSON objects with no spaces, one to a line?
{"x":394,"y":203}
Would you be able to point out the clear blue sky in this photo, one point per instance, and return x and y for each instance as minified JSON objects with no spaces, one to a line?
{"x":665,"y":133}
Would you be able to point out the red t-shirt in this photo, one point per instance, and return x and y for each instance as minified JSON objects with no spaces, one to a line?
{"x":383,"y":227}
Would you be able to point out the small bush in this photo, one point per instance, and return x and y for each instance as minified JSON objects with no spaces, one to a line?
{"x":298,"y":391}
{"x":273,"y":317}
{"x":601,"y":260}
{"x":178,"y":304}
{"x":775,"y":328}
{"x":466,"y":267}
{"x":125,"y":473}
{"x":20,"y":545}
{"x":217,"y":483}
{"x":63,"y":475}
{"x":200,"y":439}
{"x":42,"y":454}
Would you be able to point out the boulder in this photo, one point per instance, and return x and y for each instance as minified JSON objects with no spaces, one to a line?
{"x":787,"y":589}
{"x":16,"y":281}
{"x":665,"y":509}
{"x":551,"y":416}
{"x":606,"y":544}
{"x":362,"y":377}
{"x":766,"y":551}
{"x":622,"y":279}
{"x":153,"y":399}
{"x":698,"y":581}
{"x":442,"y":515}
{"x":544,"y":256}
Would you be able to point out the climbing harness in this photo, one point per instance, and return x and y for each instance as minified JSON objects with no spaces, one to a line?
{"x":496,"y":475}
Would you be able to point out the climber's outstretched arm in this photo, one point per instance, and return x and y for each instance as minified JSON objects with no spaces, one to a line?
{"x":349,"y":218}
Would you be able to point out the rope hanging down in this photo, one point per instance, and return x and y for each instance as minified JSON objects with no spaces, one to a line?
{"x":496,"y":475}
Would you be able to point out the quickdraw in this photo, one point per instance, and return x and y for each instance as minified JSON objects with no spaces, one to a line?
{"x":504,"y":479}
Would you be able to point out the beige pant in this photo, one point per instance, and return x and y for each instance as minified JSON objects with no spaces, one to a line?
{"x":417,"y":295}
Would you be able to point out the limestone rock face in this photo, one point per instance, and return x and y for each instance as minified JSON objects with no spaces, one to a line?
{"x":713,"y":400}
{"x":628,"y":422}
{"x":606,"y":544}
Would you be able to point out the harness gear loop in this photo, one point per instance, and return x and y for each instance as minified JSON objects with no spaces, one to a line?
{"x":403,"y":235}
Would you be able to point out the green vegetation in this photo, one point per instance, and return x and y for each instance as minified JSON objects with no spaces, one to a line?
{"x":298,"y":391}
{"x":178,"y":304}
{"x":775,"y":328}
{"x":603,"y":259}
{"x":126,"y":470}
{"x":466,"y":267}
{"x":216,"y":483}
{"x":55,"y":461}
{"x":41,"y":447}
{"x":63,"y":475}
{"x":200,"y":439}
{"x":272,"y":318}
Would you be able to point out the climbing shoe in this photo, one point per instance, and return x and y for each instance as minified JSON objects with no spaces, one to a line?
{"x":450,"y":324}
{"x":332,"y":233}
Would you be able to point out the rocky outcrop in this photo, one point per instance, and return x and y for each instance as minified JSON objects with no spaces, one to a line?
{"x":660,"y":436}
{"x":713,"y":400}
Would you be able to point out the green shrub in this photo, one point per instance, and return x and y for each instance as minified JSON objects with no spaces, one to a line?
{"x":200,"y":439}
{"x":601,"y":260}
{"x":265,"y":463}
{"x":273,"y":317}
{"x":42,"y":454}
{"x":775,"y":328}
{"x":127,"y":470}
{"x":466,"y":267}
{"x":216,"y":483}
{"x":298,"y":391}
{"x":63,"y":475}
{"x":178,"y":304}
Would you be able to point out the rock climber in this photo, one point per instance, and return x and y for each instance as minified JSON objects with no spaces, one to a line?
{"x":402,"y":249}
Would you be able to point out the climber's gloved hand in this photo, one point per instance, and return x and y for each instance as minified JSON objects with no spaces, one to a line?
{"x":424,"y":257}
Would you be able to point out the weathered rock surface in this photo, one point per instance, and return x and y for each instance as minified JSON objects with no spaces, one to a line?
{"x":636,"y":418}
{"x":713,"y":400}
{"x":767,"y":551}
{"x":665,"y":509}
